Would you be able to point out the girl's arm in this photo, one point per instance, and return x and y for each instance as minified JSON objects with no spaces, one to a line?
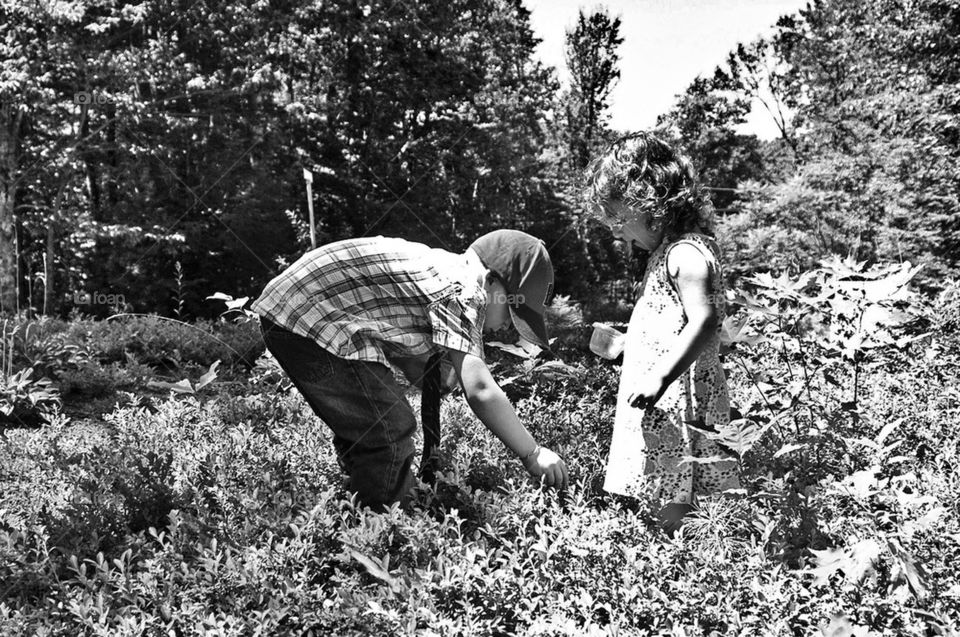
{"x":690,"y":272}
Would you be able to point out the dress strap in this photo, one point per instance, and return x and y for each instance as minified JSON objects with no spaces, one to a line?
{"x":702,"y":246}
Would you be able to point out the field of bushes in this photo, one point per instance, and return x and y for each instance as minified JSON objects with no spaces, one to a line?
{"x":158,"y":478}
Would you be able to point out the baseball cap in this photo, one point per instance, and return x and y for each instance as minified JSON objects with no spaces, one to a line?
{"x":521,"y":262}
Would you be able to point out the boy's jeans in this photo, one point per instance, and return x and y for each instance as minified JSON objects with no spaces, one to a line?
{"x":362,"y":403}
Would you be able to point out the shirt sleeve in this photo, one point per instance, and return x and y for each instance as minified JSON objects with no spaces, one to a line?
{"x":457,"y":322}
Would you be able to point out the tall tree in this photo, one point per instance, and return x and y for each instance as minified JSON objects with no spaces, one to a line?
{"x":34,"y":127}
{"x":591,"y":55}
{"x":706,"y":117}
{"x":762,"y":72}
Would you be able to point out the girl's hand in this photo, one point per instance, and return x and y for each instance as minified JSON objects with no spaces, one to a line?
{"x":647,"y":391}
{"x":547,"y":466}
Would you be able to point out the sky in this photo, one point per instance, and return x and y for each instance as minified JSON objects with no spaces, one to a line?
{"x":667,"y":43}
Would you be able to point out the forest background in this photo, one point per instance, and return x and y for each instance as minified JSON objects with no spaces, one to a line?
{"x":152,"y":154}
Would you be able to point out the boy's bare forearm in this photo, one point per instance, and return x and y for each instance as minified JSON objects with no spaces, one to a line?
{"x":497,"y":414}
{"x":494,"y":410}
{"x":490,"y":404}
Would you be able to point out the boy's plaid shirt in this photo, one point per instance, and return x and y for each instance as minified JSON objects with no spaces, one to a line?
{"x":379,"y":298}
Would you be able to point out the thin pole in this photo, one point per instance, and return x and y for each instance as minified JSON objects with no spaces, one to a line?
{"x":308,"y":177}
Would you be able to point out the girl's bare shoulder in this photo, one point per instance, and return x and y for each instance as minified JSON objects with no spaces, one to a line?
{"x":686,"y":258}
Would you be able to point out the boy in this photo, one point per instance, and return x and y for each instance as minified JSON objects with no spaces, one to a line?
{"x":342,"y":314}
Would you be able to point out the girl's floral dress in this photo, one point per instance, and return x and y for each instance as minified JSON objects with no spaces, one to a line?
{"x":656,"y":445}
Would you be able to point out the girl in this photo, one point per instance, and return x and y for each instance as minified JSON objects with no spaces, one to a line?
{"x":672,"y":382}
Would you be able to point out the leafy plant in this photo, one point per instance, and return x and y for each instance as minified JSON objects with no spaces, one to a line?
{"x":229,"y":514}
{"x":27,"y":401}
{"x":24,"y":400}
{"x":822,"y":324}
{"x":185,"y":386}
{"x":235,"y":307}
{"x":167,"y":343}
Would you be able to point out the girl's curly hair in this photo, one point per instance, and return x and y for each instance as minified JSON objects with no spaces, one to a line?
{"x":646,"y":173}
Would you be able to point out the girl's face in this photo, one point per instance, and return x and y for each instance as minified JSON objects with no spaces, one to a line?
{"x":636,"y":229}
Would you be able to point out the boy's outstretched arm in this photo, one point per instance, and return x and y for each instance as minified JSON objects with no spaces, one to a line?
{"x":494,"y":410}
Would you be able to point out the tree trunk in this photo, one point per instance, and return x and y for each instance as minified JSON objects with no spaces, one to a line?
{"x":90,"y":166}
{"x":10,"y":122}
{"x":48,"y":282}
{"x":112,"y":161}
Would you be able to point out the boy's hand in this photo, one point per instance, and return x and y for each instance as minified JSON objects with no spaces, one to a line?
{"x":547,"y":466}
{"x":647,"y":391}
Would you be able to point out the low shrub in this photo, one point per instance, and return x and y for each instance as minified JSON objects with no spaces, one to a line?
{"x":169,"y":344}
{"x":223,"y":511}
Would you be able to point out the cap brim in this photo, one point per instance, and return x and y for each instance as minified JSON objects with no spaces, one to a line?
{"x":530,"y":325}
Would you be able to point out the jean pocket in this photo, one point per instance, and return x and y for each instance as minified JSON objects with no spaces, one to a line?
{"x":317,"y":371}
{"x":300,"y":357}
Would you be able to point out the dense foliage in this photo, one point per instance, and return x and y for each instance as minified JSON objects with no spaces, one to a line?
{"x":139,"y":136}
{"x":218,"y":507}
{"x":136,"y":137}
{"x":865,"y":97}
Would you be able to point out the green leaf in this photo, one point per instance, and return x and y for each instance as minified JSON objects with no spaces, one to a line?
{"x":208,"y":377}
{"x":860,"y":485}
{"x":785,"y":449}
{"x":843,"y":267}
{"x":374,"y":568}
{"x":554,"y":370}
{"x":180,"y":387}
{"x":521,"y":349}
{"x":751,"y":302}
{"x":764,"y":280}
{"x":888,"y":429}
{"x":734,"y":330}
{"x":907,"y":568}
{"x":862,"y":557}
{"x":742,"y":434}
{"x":890,"y":286}
{"x":828,"y":562}
{"x":926,"y":522}
{"x":237,"y":303}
